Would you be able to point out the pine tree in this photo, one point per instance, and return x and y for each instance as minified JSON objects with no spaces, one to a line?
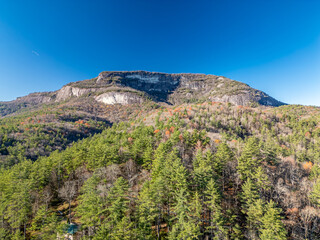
{"x":175,"y":172}
{"x":184,"y":227}
{"x":149,"y":208}
{"x":123,"y":230}
{"x":254,"y":214}
{"x":118,"y":201}
{"x":117,"y":224}
{"x":249,"y":194}
{"x":175,"y":179}
{"x":202,"y":171}
{"x":252,"y":207}
{"x":4,"y":234}
{"x":271,"y":226}
{"x":196,"y":207}
{"x":46,"y":223}
{"x":158,"y":163}
{"x":216,"y":227}
{"x":222,"y":157}
{"x":249,"y":159}
{"x":261,"y":180}
{"x":270,"y":153}
{"x":90,"y":206}
{"x":315,"y":194}
{"x":17,"y":235}
{"x":20,"y":205}
{"x":147,"y":157}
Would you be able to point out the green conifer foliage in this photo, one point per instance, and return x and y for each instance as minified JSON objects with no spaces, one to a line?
{"x":315,"y":194}
{"x":216,"y":228}
{"x":249,"y":159}
{"x":271,"y":226}
{"x":202,"y":170}
{"x":91,"y":204}
{"x":185,"y":227}
{"x":222,"y":157}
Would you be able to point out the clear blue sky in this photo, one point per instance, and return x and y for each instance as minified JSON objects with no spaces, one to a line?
{"x":273,"y":45}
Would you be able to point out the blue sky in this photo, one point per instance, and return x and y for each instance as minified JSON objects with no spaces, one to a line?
{"x":272,"y":45}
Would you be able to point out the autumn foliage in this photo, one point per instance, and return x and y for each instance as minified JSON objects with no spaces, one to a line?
{"x":307,"y":166}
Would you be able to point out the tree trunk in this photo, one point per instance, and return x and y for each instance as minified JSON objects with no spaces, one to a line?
{"x":158,"y":224}
{"x":69,"y":211}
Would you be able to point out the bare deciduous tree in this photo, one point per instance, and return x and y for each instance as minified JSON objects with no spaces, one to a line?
{"x":68,"y":192}
{"x":308,"y":215}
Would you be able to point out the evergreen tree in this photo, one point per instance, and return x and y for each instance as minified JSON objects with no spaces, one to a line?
{"x":17,"y":235}
{"x":261,"y":180}
{"x":147,"y":156}
{"x":249,"y":159}
{"x":19,"y":208}
{"x":4,"y":234}
{"x":123,"y":230}
{"x":196,"y":207}
{"x":175,"y":172}
{"x":46,"y":223}
{"x":202,"y":170}
{"x":271,"y":226}
{"x":315,"y":194}
{"x":222,"y":157}
{"x":150,"y":208}
{"x":158,"y":163}
{"x":184,"y":227}
{"x":117,"y":224}
{"x":90,"y":208}
{"x":254,"y":214}
{"x":216,"y":227}
{"x":249,"y":194}
{"x":270,"y":155}
{"x":252,"y":207}
{"x":118,"y":201}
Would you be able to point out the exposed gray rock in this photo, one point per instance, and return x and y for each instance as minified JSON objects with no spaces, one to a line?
{"x":179,"y":88}
{"x":36,"y":98}
{"x":161,"y":87}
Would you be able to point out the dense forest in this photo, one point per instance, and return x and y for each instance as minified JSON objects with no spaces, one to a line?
{"x":194,"y":171}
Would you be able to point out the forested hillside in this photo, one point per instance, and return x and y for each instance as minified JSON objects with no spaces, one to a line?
{"x":38,"y":131}
{"x":195,"y":171}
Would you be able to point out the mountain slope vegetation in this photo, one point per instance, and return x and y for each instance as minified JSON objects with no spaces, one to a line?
{"x":195,"y":171}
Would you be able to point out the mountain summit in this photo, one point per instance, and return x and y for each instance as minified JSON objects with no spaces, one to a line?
{"x":132,"y":87}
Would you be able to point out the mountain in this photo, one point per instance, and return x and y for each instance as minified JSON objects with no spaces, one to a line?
{"x":140,"y":155}
{"x":133,"y":87}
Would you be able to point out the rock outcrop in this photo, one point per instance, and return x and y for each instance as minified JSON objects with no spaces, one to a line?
{"x":132,"y":87}
{"x":68,"y":91}
{"x":179,"y":88}
{"x":119,"y":98}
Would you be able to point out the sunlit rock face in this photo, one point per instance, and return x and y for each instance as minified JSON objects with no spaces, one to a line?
{"x":119,"y":98}
{"x":180,"y":88}
{"x":68,"y":91}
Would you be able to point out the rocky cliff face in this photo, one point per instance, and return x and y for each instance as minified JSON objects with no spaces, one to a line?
{"x":179,"y":88}
{"x":131,"y":87}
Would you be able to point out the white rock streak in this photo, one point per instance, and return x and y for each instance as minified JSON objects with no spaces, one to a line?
{"x":117,"y":98}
